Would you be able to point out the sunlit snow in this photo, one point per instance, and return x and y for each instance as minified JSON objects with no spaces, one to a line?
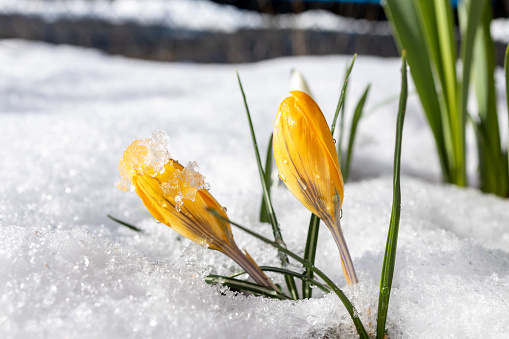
{"x":66,"y":270}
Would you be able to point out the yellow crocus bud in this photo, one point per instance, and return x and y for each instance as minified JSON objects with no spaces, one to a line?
{"x":307,"y":161}
{"x":177,"y":196}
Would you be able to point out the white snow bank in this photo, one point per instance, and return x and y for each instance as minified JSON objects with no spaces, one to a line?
{"x":67,"y":115}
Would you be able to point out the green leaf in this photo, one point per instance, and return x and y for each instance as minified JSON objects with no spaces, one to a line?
{"x":353,"y":130}
{"x":506,"y":68}
{"x":123,"y":223}
{"x":411,"y":36}
{"x":310,"y":253}
{"x":264,"y":214}
{"x":392,"y":237}
{"x":341,"y":100}
{"x":492,"y":170}
{"x":300,"y":276}
{"x":242,"y":285}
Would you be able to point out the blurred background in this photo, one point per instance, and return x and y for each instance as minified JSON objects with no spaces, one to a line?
{"x":219,"y":31}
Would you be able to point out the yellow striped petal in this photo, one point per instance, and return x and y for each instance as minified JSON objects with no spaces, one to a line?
{"x":307,"y":161}
{"x":306,"y":156}
{"x":177,"y":196}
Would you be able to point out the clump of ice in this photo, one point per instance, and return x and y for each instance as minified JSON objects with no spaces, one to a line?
{"x":185,"y":184}
{"x":150,"y":156}
{"x":147,"y":156}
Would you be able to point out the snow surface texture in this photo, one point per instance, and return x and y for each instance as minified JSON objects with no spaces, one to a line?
{"x":66,"y":270}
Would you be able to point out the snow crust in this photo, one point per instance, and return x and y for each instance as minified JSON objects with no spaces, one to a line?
{"x":66,"y":270}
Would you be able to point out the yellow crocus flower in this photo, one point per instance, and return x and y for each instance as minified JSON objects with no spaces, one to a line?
{"x":178,"y":197}
{"x":307,"y":161}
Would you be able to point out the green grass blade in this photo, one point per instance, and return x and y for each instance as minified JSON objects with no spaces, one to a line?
{"x":280,"y":270}
{"x":492,"y":173}
{"x":123,"y":223}
{"x":341,"y":100}
{"x":353,"y":130}
{"x":426,"y":12}
{"x":264,"y":213}
{"x":339,"y":143}
{"x":310,"y":253}
{"x":292,"y":286}
{"x":506,"y":68}
{"x":447,"y":43}
{"x":266,"y":196}
{"x":410,"y":36}
{"x":485,"y":153}
{"x":348,"y":305}
{"x":473,"y":12}
{"x":392,"y":237}
{"x":242,"y":285}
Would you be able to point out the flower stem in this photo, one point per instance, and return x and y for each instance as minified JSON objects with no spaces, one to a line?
{"x":346,"y":260}
{"x":249,"y":265}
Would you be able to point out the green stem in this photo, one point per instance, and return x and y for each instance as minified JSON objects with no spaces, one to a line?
{"x":341,"y":100}
{"x":244,"y":286}
{"x":310,"y":253}
{"x":280,"y":270}
{"x":392,"y":236}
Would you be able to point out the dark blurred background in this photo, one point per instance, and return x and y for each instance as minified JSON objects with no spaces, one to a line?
{"x":222,"y":31}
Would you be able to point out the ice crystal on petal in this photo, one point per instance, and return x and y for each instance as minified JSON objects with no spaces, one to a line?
{"x":148,"y":156}
{"x":185,"y":184}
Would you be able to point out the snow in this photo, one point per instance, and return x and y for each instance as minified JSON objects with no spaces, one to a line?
{"x":66,"y":270}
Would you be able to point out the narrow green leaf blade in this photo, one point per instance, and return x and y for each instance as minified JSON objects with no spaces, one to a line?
{"x":288,"y":272}
{"x":264,"y":213}
{"x":244,"y":286}
{"x":339,"y":143}
{"x":506,"y":68}
{"x":310,"y":253}
{"x":353,"y":131}
{"x":123,"y":223}
{"x":341,"y":100}
{"x":392,"y":237}
{"x":410,"y":36}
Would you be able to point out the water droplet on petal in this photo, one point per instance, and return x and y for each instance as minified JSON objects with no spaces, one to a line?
{"x":334,"y":140}
{"x":163,"y":204}
{"x":224,"y":209}
{"x":336,"y":199}
{"x":317,"y":175}
{"x":285,"y":161}
{"x":302,"y":183}
{"x":282,"y":177}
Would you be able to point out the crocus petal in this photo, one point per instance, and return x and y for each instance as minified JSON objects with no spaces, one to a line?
{"x":306,"y":156}
{"x":307,"y":162}
{"x":177,"y":197}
